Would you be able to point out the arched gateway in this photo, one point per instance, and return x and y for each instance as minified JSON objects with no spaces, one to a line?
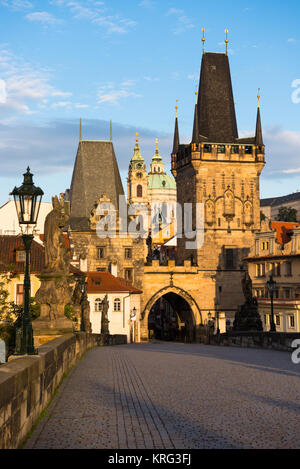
{"x":171,"y":313}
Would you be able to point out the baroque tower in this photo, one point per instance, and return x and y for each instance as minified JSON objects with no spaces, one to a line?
{"x":220,"y":171}
{"x":137,"y":177}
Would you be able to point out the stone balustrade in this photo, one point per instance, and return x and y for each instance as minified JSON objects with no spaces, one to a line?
{"x":28,"y":383}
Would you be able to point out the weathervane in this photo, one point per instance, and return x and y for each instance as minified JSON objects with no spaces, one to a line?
{"x":203,"y":40}
{"x":258,"y":96}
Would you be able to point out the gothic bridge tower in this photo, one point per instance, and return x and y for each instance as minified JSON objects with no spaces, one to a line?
{"x":221,"y":171}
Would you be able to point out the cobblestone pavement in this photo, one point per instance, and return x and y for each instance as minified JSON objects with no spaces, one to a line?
{"x":169,"y":395}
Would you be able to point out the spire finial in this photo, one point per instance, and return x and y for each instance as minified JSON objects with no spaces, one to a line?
{"x":226,"y":40}
{"x":137,"y":137}
{"x":176,"y":107}
{"x":156,"y":141}
{"x":111,"y":131}
{"x":196,"y":95}
{"x":258,"y":96}
{"x":203,"y":40}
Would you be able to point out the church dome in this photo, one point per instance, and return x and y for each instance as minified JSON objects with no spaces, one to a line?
{"x":161,"y":181}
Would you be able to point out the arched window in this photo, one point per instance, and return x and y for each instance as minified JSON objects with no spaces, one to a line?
{"x":117,"y":304}
{"x":139,"y":191}
{"x":98,"y":302}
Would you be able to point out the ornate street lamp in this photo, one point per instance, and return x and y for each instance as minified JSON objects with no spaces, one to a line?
{"x":27,"y":200}
{"x":271,"y":285}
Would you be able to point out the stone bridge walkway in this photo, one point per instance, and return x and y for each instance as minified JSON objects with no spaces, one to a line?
{"x":183,"y":396}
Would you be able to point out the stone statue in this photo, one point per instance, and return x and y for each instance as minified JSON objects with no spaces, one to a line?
{"x":149,"y":244}
{"x":55,"y":291}
{"x":56,"y":255}
{"x":85,"y":314}
{"x":247,"y":317}
{"x":247,"y":287}
{"x":104,"y":316}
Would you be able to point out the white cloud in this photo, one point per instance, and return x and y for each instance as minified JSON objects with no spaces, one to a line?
{"x":98,"y":14}
{"x":43,"y":17}
{"x":146,"y":4}
{"x":3,"y":94}
{"x":24,"y":87}
{"x":17,"y":4}
{"x":81,"y":106}
{"x":183,"y":22}
{"x":62,"y":104}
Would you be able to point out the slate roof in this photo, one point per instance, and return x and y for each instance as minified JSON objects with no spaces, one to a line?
{"x":95,"y":172}
{"x":216,"y":110}
{"x":104,"y":282}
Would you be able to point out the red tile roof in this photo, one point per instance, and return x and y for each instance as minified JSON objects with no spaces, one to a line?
{"x":102,"y":282}
{"x":284,"y":230}
{"x":9,"y":245}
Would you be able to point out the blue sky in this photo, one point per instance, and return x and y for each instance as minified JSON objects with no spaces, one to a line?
{"x":129,"y":61}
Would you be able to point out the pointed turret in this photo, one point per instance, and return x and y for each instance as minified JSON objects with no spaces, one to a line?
{"x":258,"y":133}
{"x":196,"y":136}
{"x":176,"y":135}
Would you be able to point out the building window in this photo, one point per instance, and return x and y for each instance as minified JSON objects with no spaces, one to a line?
{"x":287,"y":293}
{"x":128,"y":275}
{"x":100,"y":253}
{"x":221,"y":148}
{"x":98,"y":302}
{"x":277,"y":270}
{"x":128,"y":253}
{"x":20,"y":256}
{"x":229,"y":258}
{"x":277,"y":320}
{"x":101,"y":269}
{"x":235,"y":149}
{"x":288,"y":269}
{"x":117,"y":304}
{"x":248,"y":150}
{"x":139,"y":191}
{"x":207,"y":148}
{"x":292,"y":321}
{"x":19,"y":294}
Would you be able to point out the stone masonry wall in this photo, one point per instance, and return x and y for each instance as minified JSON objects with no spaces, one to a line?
{"x":28,"y":383}
{"x":266,"y":340}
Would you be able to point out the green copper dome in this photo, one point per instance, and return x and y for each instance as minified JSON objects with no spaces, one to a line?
{"x":161,"y":181}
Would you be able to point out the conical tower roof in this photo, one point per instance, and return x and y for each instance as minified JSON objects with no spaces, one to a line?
{"x":216,"y":110}
{"x":95,"y":173}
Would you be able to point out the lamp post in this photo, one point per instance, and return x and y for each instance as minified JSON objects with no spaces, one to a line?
{"x":271,"y":285}
{"x":28,"y":201}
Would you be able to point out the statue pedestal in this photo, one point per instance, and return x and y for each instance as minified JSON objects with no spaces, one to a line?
{"x":53,"y":295}
{"x":247,"y":318}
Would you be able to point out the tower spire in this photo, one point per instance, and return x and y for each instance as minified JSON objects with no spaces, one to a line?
{"x":258,"y":133}
{"x":196,"y":123}
{"x":203,"y":40}
{"x":176,"y":132}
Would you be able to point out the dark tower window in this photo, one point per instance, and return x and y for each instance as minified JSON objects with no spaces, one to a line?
{"x":229,"y":258}
{"x":207,"y":148}
{"x":139,"y":191}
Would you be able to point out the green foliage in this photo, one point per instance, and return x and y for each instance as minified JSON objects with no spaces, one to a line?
{"x":69,"y":313}
{"x":287,"y":214}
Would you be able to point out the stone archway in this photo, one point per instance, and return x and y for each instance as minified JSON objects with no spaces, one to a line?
{"x":181,"y":301}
